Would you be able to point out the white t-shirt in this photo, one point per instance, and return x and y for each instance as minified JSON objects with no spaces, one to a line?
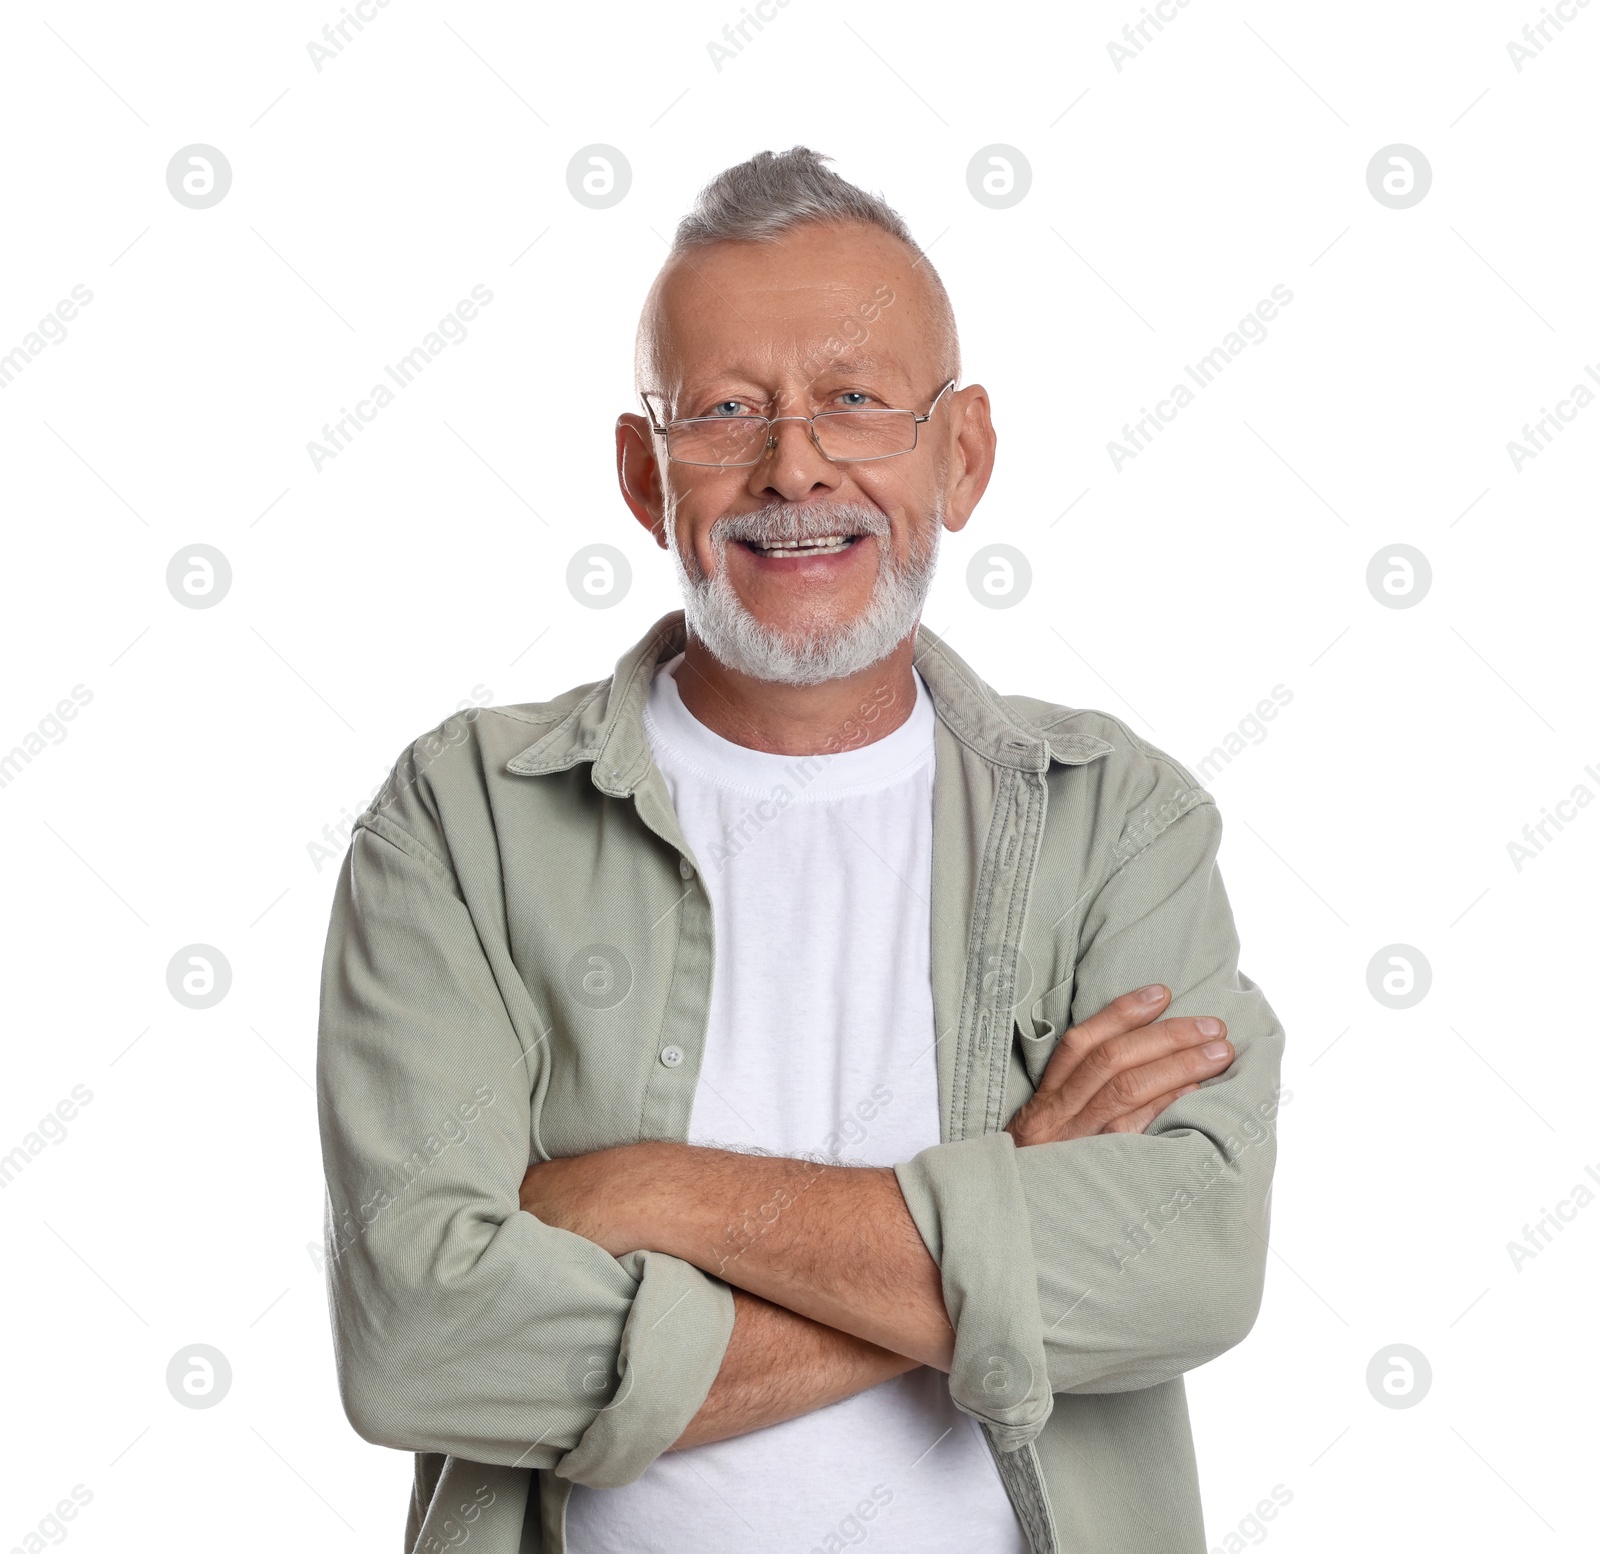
{"x":820,"y":1040}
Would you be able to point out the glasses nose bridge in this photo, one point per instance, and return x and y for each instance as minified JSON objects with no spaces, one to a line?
{"x":772,"y":434}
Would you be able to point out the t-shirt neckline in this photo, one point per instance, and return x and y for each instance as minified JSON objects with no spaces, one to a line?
{"x":686,"y":741}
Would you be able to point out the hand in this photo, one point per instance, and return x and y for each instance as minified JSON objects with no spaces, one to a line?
{"x":1118,"y":1070}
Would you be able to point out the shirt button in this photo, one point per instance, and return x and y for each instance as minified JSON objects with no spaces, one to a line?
{"x":685,"y":869}
{"x":672,"y":1056}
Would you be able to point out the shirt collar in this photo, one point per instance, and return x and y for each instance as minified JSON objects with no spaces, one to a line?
{"x":607,"y":726}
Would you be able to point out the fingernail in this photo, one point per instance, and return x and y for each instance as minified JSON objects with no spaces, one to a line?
{"x":1208,"y":1026}
{"x":1152,"y":994}
{"x":1214,"y":1049}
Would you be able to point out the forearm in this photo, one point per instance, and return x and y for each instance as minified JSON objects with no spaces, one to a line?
{"x":833,"y":1243}
{"x":779,"y":1365}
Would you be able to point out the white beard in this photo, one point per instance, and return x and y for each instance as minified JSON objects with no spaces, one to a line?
{"x":718,"y":617}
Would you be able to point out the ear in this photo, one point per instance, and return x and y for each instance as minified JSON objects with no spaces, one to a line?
{"x":638,"y":474}
{"x":972,"y":446}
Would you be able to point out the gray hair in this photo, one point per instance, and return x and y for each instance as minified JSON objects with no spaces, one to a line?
{"x":776,"y":191}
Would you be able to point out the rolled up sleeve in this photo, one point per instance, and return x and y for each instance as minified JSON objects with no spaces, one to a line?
{"x":1119,"y":1262}
{"x":462,"y":1324}
{"x":967,"y":1200}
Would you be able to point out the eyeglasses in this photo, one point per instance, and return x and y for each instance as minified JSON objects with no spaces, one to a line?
{"x":841,"y":436}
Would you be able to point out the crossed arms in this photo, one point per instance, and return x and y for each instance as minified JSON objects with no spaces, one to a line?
{"x":836,"y":1291}
{"x":1110,"y":1239}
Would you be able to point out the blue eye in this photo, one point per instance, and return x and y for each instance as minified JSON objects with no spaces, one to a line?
{"x":860,"y":399}
{"x":728,"y":407}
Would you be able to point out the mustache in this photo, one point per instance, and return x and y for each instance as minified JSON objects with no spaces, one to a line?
{"x":798,"y":521}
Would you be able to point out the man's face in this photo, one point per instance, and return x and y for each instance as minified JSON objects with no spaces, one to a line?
{"x":825,"y":318}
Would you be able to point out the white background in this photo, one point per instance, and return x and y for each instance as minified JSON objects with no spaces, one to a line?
{"x":428,"y":561}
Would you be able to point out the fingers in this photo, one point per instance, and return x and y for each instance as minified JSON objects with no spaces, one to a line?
{"x":1115,"y":1070}
{"x":1130,"y":1012}
{"x":1123,"y":1076}
{"x":1138,"y":1121}
{"x":1134,"y":1089}
{"x":1118,"y":1069}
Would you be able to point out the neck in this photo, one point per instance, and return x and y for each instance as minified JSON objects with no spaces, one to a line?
{"x":821,"y":719}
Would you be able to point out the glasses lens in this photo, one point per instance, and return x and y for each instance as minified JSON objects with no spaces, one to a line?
{"x":866,"y":434}
{"x":734,"y":439}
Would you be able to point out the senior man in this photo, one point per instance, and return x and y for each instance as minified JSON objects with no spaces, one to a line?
{"x":786,"y":1094}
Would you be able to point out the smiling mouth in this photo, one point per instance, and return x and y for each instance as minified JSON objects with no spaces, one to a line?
{"x":822,"y":545}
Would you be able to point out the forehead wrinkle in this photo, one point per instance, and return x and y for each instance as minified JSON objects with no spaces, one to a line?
{"x":742,"y":275}
{"x":796,"y":354}
{"x":803,"y":293}
{"x":820,"y":321}
{"x":782,"y":359}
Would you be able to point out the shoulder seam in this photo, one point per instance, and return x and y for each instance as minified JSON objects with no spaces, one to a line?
{"x":1137,"y":839}
{"x":398,"y":837}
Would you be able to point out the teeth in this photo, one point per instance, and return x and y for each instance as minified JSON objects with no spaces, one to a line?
{"x":827,"y":544}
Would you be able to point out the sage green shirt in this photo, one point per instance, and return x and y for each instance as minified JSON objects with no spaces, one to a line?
{"x":519,"y":965}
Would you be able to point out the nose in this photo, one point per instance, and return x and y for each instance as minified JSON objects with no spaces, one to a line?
{"x":792,"y":467}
